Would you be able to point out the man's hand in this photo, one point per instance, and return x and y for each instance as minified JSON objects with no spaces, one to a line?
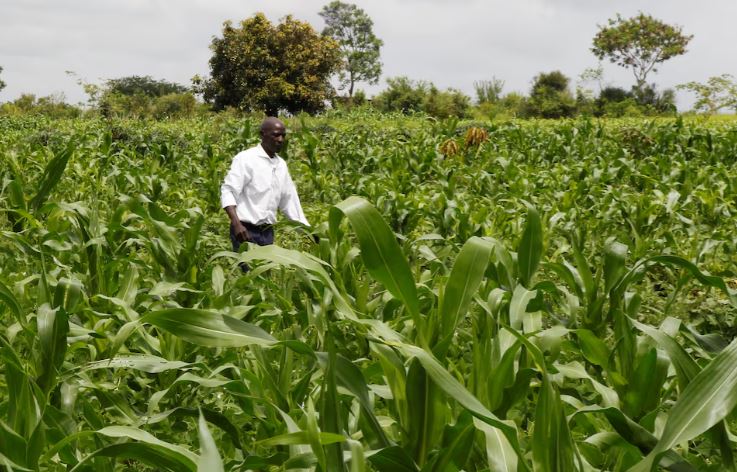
{"x":240,"y":231}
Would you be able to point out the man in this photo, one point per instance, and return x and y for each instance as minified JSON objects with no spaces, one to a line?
{"x":257,"y":184}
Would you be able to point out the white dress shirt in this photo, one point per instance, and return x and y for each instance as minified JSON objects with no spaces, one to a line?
{"x":257,"y":185}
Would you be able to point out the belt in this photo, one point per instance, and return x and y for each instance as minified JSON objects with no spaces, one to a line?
{"x":262,"y":227}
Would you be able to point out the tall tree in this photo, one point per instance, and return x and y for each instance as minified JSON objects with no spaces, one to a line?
{"x":266,"y":67}
{"x":2,"y":84}
{"x":639,"y":43}
{"x":352,"y":28}
{"x":717,"y":93}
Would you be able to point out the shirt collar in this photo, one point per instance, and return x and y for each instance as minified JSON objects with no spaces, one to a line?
{"x":262,"y":153}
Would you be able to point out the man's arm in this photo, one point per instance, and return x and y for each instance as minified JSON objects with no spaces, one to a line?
{"x":289,"y":203}
{"x":235,"y":180}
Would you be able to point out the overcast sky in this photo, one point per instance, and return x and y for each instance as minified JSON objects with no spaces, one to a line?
{"x":450,"y":43}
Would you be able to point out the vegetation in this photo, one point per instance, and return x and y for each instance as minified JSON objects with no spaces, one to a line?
{"x":352,"y":28}
{"x":2,"y":84}
{"x":563,"y":283}
{"x":488,"y":91}
{"x":716,"y":94}
{"x":263,"y":67}
{"x":639,"y":43}
{"x":407,"y":96}
{"x":28,"y":104}
{"x":550,"y":96}
{"x":140,"y":97}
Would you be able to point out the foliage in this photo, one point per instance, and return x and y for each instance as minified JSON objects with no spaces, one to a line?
{"x":51,"y":106}
{"x":259,"y":66}
{"x":138,"y":105}
{"x":2,"y":84}
{"x":401,"y":94}
{"x":352,"y":29}
{"x":717,"y":93}
{"x":407,"y":96}
{"x":148,"y":86}
{"x":655,"y":102}
{"x":565,"y":284}
{"x":550,"y":97}
{"x":593,"y":74}
{"x":639,"y":43}
{"x":445,"y":103}
{"x":488,"y":91}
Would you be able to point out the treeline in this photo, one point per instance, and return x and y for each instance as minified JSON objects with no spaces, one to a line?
{"x":550,"y":96}
{"x":288,"y":67}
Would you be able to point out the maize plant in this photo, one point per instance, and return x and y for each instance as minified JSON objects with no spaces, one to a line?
{"x":563,"y":301}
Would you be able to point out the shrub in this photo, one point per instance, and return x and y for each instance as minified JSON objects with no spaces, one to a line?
{"x":444,"y":104}
{"x":52,"y":106}
{"x":402,"y":95}
{"x":550,"y":97}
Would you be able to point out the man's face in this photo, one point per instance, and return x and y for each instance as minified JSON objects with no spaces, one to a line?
{"x":272,"y":138}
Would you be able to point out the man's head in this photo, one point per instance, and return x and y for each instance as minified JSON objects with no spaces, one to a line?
{"x":273,"y":133}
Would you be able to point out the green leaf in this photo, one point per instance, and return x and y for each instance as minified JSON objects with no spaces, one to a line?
{"x":392,"y":459}
{"x":499,"y":452}
{"x":552,"y":444}
{"x":350,"y":377}
{"x":456,"y":445}
{"x":593,"y":348}
{"x":442,"y":378}
{"x":380,"y":251}
{"x":708,"y":399}
{"x":427,"y":413}
{"x":530,"y":247}
{"x":615,"y":255}
{"x":463,"y":283}
{"x":145,"y":448}
{"x":52,"y":174}
{"x":209,"y":460}
{"x":67,"y":294}
{"x":7,"y":297}
{"x":53,"y":327}
{"x":206,"y":328}
{"x":301,"y":437}
{"x":141,"y":362}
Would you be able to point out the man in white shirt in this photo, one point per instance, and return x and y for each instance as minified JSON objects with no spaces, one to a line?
{"x":257,"y":184}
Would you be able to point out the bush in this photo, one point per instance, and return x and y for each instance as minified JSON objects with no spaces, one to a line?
{"x":175,"y":105}
{"x":444,"y":104}
{"x":407,"y":96}
{"x":52,"y":106}
{"x":402,"y":95}
{"x":550,"y":97}
{"x":507,"y":107}
{"x":138,"y":105}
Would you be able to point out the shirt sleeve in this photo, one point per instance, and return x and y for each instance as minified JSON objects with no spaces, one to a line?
{"x":289,"y":202}
{"x":234,"y":183}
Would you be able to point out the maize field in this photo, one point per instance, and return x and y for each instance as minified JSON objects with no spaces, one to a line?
{"x":504,"y":296}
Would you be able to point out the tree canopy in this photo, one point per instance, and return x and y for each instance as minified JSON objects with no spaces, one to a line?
{"x":550,"y":97}
{"x":715,"y":94}
{"x":146,"y":85}
{"x":2,"y":84}
{"x":352,"y":28}
{"x":639,"y":43}
{"x":266,"y":67}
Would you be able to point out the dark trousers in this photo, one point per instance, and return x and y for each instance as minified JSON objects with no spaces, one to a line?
{"x":263,"y":235}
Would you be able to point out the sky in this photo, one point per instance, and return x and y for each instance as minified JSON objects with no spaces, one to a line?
{"x":449,"y":43}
